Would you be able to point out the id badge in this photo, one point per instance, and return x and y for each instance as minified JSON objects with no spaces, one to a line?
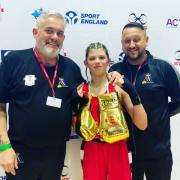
{"x":54,"y":102}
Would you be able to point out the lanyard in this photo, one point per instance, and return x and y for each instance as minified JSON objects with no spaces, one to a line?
{"x":135,"y":78}
{"x":51,"y":83}
{"x":139,"y":67}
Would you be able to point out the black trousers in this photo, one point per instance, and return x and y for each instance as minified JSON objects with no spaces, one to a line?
{"x":39,"y":164}
{"x":156,"y":169}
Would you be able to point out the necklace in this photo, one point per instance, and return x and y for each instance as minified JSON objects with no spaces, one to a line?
{"x":95,"y":91}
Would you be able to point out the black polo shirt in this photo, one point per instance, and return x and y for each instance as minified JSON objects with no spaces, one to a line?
{"x":24,"y":86}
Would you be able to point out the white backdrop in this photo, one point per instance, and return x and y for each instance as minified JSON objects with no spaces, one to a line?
{"x":92,"y":21}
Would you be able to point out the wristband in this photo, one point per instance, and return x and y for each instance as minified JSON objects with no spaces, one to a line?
{"x":128,"y":87}
{"x":5,"y":147}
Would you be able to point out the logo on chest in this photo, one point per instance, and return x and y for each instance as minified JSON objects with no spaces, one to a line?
{"x":29,"y":80}
{"x":147,"y":79}
{"x":61,"y":83}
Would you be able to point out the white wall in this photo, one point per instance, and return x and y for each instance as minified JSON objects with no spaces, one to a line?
{"x":16,"y":23}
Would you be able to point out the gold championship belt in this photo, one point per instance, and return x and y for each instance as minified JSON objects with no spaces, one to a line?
{"x":112,"y":125}
{"x":88,"y":126}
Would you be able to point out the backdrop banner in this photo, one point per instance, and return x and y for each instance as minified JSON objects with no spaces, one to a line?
{"x":93,"y":21}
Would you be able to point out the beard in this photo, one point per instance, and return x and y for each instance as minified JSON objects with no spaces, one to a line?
{"x":135,"y":57}
{"x":50,"y":52}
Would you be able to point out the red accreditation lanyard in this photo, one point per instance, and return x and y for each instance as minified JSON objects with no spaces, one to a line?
{"x":139,"y":67}
{"x":51,"y":83}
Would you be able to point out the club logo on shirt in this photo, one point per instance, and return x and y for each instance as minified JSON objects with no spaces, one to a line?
{"x":29,"y":80}
{"x":147,"y":79}
{"x":61,"y":83}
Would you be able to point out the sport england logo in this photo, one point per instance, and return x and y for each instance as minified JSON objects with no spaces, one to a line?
{"x":71,"y":17}
{"x":84,"y":18}
{"x":142,"y":18}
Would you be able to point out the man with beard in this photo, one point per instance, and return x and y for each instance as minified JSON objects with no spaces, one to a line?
{"x":155,"y":80}
{"x":38,"y":84}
